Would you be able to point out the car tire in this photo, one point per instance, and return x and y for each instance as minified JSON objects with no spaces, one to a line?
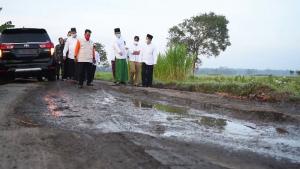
{"x":40,"y":78}
{"x":7,"y":77}
{"x":51,"y":75}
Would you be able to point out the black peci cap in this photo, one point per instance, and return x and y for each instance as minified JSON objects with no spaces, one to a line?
{"x":117,"y":30}
{"x":149,"y":36}
{"x":73,"y":30}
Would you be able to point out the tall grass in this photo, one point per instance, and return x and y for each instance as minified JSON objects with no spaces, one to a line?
{"x":175,"y":64}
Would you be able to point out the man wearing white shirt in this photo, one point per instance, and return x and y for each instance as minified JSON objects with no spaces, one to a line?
{"x":149,"y":59}
{"x":121,"y":58}
{"x":135,"y":61}
{"x":70,"y":49}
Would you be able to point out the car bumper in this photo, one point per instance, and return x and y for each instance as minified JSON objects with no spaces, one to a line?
{"x":26,"y":70}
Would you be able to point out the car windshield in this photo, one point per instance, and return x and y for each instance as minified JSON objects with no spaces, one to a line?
{"x":21,"y":36}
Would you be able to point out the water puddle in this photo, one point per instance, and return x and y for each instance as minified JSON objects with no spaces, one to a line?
{"x":160,"y":107}
{"x":213,"y":127}
{"x":109,"y":112}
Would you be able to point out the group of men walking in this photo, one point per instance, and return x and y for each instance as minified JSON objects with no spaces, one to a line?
{"x":140,"y":59}
{"x":76,"y":59}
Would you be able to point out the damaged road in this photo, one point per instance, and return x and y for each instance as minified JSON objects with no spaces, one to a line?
{"x":56,"y":125}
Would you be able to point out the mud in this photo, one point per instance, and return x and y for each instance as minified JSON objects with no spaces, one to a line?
{"x":108,"y":126}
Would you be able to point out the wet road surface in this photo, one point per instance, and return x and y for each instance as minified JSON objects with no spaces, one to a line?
{"x":152,"y":128}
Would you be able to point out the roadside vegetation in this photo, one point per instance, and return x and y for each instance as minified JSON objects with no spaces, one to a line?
{"x":264,"y":88}
{"x":174,"y":71}
{"x":175,"y":64}
{"x":206,"y":35}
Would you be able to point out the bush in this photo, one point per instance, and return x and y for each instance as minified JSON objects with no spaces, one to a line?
{"x":175,"y":64}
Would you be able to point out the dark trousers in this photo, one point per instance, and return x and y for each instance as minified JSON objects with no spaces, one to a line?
{"x":64,"y":69}
{"x":84,"y":69}
{"x":93,"y":71}
{"x":147,"y":75}
{"x":71,"y":68}
{"x":113,"y":68}
{"x":76,"y":73}
{"x":59,"y":70}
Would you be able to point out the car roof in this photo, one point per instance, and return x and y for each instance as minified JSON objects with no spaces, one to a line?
{"x":24,"y":30}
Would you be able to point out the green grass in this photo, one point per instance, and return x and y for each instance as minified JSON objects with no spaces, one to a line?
{"x":106,"y":76}
{"x":175,"y":64}
{"x":267,"y":87}
{"x":273,"y":88}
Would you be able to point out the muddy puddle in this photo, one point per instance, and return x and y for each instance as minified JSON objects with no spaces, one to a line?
{"x":105,"y":111}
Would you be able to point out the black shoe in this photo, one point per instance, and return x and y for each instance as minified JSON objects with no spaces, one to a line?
{"x":80,"y":86}
{"x":90,"y":84}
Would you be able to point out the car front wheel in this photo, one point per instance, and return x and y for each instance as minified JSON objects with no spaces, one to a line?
{"x":51,"y":75}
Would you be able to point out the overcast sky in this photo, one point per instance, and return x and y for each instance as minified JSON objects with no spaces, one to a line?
{"x":265,"y":34}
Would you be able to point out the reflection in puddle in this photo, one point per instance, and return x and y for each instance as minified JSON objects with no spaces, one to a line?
{"x":52,"y":107}
{"x":160,"y":107}
{"x":141,"y":104}
{"x":212,"y":122}
{"x":238,"y":129}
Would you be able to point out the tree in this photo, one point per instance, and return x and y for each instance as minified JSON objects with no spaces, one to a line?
{"x":103,"y":55}
{"x":6,"y":25}
{"x":204,"y":35}
{"x":292,"y":72}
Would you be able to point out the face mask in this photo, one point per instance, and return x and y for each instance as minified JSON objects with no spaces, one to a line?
{"x":74,"y":35}
{"x":135,"y":43}
{"x":118,"y":36}
{"x":87,"y":37}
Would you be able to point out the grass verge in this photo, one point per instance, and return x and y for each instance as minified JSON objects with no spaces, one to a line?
{"x":263,"y":88}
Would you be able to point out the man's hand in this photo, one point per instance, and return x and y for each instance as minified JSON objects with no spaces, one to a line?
{"x":120,"y":53}
{"x":94,"y":60}
{"x":136,"y":53}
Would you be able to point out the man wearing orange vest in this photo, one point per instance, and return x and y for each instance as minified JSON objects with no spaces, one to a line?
{"x":85,"y":56}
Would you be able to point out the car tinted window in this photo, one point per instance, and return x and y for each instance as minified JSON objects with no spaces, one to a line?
{"x":21,"y":36}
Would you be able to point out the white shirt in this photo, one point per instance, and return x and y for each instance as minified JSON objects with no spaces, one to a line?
{"x":70,"y":47}
{"x":149,"y":54}
{"x":135,"y":58}
{"x":111,"y":56}
{"x":97,"y":58}
{"x":119,"y":47}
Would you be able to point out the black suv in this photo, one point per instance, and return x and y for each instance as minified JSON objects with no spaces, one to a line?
{"x":26,"y":52}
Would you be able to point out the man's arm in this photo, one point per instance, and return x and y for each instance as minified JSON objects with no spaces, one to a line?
{"x":77,"y":48}
{"x":66,"y":48}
